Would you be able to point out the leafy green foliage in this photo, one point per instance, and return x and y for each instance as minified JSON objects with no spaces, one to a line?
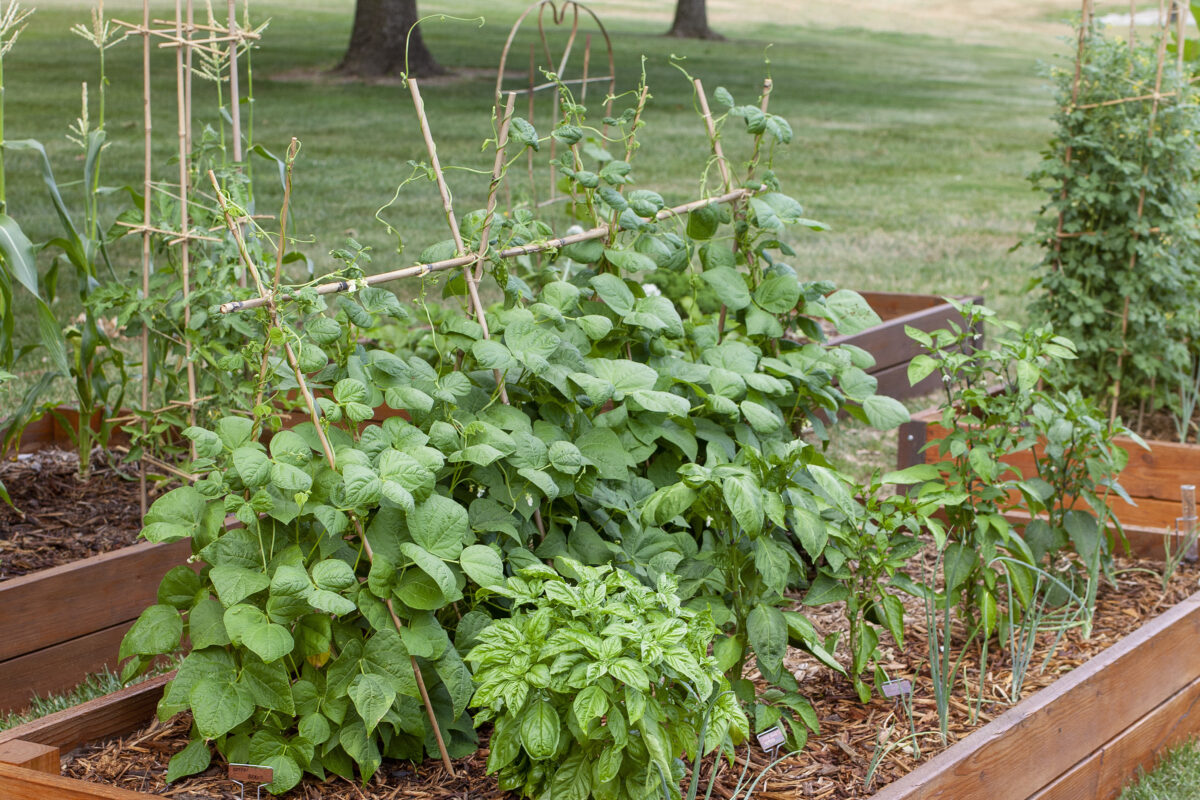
{"x":1129,"y":239}
{"x":873,"y":538}
{"x":597,"y":422}
{"x":1000,"y":401}
{"x":595,"y":685}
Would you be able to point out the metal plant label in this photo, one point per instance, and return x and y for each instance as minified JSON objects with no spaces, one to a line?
{"x":897,"y":688}
{"x":251,"y":773}
{"x":771,"y":738}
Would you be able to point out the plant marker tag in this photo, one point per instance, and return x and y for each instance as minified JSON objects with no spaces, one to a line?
{"x":771,"y":739}
{"x":897,"y":688}
{"x":241,"y":774}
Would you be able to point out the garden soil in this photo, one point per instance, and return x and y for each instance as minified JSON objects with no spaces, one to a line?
{"x":58,"y":518}
{"x":833,"y":765}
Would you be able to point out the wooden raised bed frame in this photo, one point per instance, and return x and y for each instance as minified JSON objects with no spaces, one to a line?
{"x":60,"y":624}
{"x":1083,"y":736}
{"x":1152,"y":478}
{"x":891,"y":347}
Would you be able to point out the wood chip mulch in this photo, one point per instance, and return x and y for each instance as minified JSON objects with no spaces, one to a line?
{"x":833,"y":766}
{"x":60,"y":519}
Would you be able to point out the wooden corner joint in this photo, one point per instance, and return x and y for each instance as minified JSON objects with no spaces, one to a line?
{"x":31,"y":755}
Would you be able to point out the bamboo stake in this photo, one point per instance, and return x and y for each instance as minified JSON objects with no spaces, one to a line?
{"x":327,"y":449}
{"x":715,"y":142}
{"x":1085,"y":14}
{"x":184,"y":114}
{"x":418,"y":270}
{"x":235,"y":109}
{"x":146,"y":183}
{"x":191,"y":27}
{"x":292,"y":151}
{"x":472,"y":272}
{"x":1161,"y":55}
{"x":630,"y":148}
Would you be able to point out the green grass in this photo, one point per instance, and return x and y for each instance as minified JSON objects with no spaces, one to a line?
{"x":93,"y":686}
{"x":1175,"y":777}
{"x":913,"y":148}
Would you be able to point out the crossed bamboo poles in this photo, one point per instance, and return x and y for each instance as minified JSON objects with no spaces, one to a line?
{"x":472,"y":265}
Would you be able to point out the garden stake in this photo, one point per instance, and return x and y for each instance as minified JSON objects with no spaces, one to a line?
{"x":1085,"y":17}
{"x":293,"y":150}
{"x":146,"y":187}
{"x":1162,"y":50}
{"x":182,"y":80}
{"x":630,"y":147}
{"x":473,"y":274}
{"x":726,"y":179}
{"x":420,"y":270}
{"x":273,"y":313}
{"x":448,"y":206}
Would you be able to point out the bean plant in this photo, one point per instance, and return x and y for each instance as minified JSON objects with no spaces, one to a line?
{"x":595,"y":421}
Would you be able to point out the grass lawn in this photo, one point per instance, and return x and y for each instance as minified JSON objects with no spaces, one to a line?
{"x":913,"y":147}
{"x":1176,"y":777}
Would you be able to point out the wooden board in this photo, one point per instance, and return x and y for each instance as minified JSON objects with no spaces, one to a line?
{"x":83,"y":597}
{"x":1031,"y":745}
{"x":1110,"y":768}
{"x":112,"y":715}
{"x":17,"y":783}
{"x":30,"y":755}
{"x":59,"y":667}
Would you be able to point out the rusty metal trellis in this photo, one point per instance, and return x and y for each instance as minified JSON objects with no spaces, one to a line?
{"x":560,"y":11}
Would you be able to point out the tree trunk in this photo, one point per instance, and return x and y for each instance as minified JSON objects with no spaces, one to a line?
{"x":691,"y":21}
{"x":377,"y":43}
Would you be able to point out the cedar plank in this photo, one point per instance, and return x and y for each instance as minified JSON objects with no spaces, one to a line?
{"x":18,"y":783}
{"x":59,"y":667}
{"x":84,"y":596}
{"x":111,"y":715}
{"x":1061,"y":723}
{"x":31,"y":755}
{"x":1106,"y":771}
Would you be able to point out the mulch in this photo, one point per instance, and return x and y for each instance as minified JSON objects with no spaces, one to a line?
{"x":60,"y":519}
{"x":833,"y":766}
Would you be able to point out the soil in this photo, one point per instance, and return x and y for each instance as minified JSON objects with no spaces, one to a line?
{"x":1159,"y":425}
{"x":833,"y":766}
{"x":60,"y":519}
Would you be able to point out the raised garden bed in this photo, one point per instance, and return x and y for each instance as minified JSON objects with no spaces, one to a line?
{"x":887,"y":342}
{"x":60,"y":623}
{"x":1089,"y":729}
{"x":1152,"y":478}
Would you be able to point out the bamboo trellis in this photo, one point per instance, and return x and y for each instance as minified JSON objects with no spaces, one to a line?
{"x":1176,"y":15}
{"x":186,"y":36}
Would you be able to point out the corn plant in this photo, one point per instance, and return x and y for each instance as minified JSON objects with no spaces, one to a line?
{"x":83,"y":353}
